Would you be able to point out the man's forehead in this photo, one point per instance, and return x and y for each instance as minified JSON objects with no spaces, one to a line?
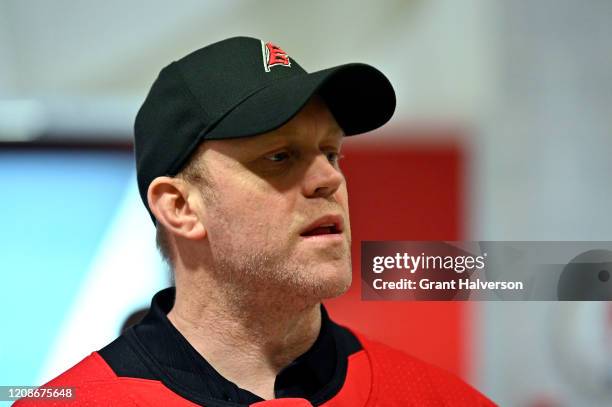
{"x":313,"y":123}
{"x":315,"y":116}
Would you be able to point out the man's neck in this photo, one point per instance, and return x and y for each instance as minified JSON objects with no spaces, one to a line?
{"x":248,"y":341}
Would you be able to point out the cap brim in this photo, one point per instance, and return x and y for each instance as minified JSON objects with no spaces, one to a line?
{"x":359,"y":96}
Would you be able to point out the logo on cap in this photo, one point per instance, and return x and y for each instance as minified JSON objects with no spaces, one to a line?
{"x":273,"y":55}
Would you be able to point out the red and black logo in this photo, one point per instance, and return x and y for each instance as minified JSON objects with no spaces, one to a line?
{"x":273,"y":55}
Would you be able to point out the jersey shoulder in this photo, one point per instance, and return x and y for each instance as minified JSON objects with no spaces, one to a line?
{"x":399,"y":377}
{"x":86,"y":380}
{"x":94,"y":383}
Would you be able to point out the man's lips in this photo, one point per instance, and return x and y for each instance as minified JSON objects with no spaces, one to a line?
{"x":325,"y":225}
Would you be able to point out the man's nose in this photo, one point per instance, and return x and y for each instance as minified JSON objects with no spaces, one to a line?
{"x":322,"y":178}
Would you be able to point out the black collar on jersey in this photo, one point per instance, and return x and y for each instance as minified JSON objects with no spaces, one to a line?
{"x":154,"y":349}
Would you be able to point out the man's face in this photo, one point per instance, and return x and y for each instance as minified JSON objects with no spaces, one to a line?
{"x":277,"y":217}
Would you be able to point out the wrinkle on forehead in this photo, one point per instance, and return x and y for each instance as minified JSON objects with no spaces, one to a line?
{"x":314,"y":120}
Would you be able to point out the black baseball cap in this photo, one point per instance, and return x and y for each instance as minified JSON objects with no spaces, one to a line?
{"x":242,"y":87}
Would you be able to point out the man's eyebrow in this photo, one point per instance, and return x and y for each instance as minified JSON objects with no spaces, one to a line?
{"x":285,"y":136}
{"x":336,"y":134}
{"x":256,"y":146}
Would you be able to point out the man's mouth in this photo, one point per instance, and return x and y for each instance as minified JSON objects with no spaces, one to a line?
{"x":326,"y":225}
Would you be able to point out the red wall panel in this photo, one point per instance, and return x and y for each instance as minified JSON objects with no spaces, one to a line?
{"x":406,"y":190}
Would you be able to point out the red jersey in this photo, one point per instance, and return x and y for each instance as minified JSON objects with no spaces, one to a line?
{"x":153,"y":365}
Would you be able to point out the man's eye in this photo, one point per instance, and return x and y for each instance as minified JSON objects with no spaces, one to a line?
{"x":333,"y":157}
{"x":278,"y":157}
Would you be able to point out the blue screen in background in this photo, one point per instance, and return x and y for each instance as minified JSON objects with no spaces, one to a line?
{"x":55,"y":206}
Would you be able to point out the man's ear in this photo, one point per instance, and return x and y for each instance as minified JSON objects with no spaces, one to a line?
{"x":178,"y":206}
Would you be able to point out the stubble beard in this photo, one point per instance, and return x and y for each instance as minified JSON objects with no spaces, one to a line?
{"x":278,"y":279}
{"x":274,"y":276}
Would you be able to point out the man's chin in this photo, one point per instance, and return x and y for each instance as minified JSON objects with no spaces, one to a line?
{"x":333,"y":292}
{"x":328,"y":282}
